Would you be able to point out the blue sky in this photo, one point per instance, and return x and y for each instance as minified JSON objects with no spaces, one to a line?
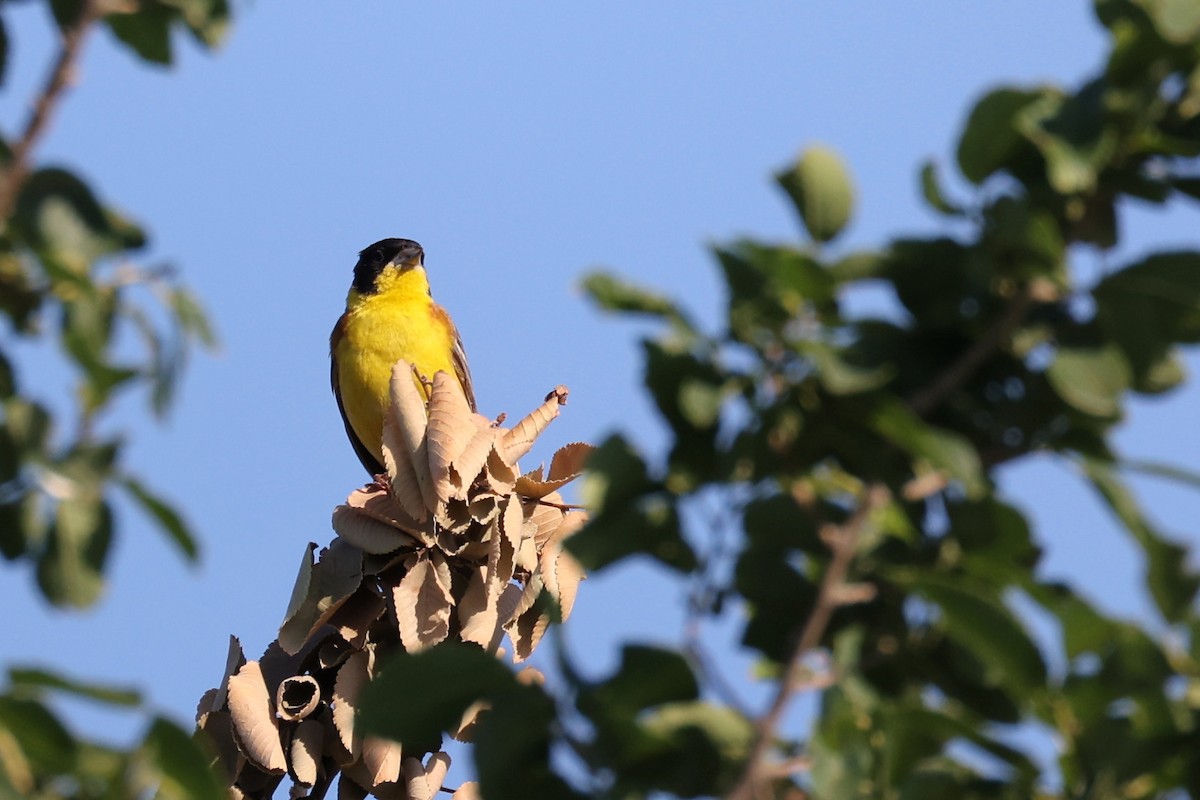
{"x":521,"y":145}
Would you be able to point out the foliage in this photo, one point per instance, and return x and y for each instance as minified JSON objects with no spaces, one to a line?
{"x":70,"y":292}
{"x":878,"y":567}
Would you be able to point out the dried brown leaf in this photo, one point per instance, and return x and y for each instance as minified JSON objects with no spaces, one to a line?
{"x":562,"y":575}
{"x":297,"y":697}
{"x":467,"y":791}
{"x":436,"y":768}
{"x":569,"y":461}
{"x":505,"y":538}
{"x":526,"y":632}
{"x":320,"y":590}
{"x":375,"y":502}
{"x":484,"y":506}
{"x":234,"y":659}
{"x":207,"y":704}
{"x":351,"y":678}
{"x":454,"y":515}
{"x":466,"y":726}
{"x":253,"y":721}
{"x":452,"y":424}
{"x":357,"y":615}
{"x":479,"y":614}
{"x":402,"y":474}
{"x":541,"y":521}
{"x":527,"y":487}
{"x":517,"y":441}
{"x":471,"y":461}
{"x":526,"y":559}
{"x":382,"y":759}
{"x":306,"y":752}
{"x":409,"y":416}
{"x":527,"y":596}
{"x":368,"y":533}
{"x":422,"y":601}
{"x":500,"y":476}
{"x":531,"y":676}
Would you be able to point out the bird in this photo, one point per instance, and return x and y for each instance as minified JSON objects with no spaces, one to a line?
{"x":390,"y":315}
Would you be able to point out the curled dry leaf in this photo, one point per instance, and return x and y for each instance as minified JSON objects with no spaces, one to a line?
{"x":253,"y":721}
{"x":452,"y":425}
{"x":320,"y":590}
{"x":306,"y":752}
{"x":353,"y":675}
{"x":526,"y":633}
{"x":355,"y":617}
{"x":517,"y":441}
{"x":297,"y":697}
{"x":408,"y":415}
{"x":423,"y":781}
{"x":467,"y":466}
{"x":466,"y":791}
{"x":217,"y":728}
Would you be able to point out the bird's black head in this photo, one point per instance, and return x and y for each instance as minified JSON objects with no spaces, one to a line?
{"x":373,"y":259}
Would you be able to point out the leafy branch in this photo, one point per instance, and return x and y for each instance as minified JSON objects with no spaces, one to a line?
{"x":60,"y":77}
{"x":833,"y":593}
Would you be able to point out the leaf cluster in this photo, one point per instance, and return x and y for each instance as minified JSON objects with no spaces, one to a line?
{"x":795,"y":412}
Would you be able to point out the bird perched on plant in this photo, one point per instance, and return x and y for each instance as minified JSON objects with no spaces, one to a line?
{"x":390,"y":315}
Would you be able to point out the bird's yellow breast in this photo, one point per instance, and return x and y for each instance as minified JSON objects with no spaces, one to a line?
{"x":399,"y":320}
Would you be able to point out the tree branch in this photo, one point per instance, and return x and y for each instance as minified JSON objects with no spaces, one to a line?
{"x":843,"y":543}
{"x":961,"y":369}
{"x":57,"y":81}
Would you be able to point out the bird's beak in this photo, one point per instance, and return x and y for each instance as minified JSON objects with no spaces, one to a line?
{"x":409,"y":257}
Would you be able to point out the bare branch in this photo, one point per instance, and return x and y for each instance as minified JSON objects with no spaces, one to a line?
{"x":60,"y":77}
{"x":958,"y":372}
{"x":843,"y":543}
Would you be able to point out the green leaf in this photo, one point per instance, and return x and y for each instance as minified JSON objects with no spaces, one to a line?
{"x":41,"y":737}
{"x":67,"y":226}
{"x":931,"y":191}
{"x":646,"y":677}
{"x":71,"y":570}
{"x":1091,"y":379}
{"x":612,"y":293}
{"x":703,"y":747}
{"x":778,"y":522}
{"x":180,"y":768}
{"x":417,"y":696}
{"x":649,"y":527}
{"x":1072,"y":135}
{"x":821,"y":191}
{"x":990,"y":138}
{"x":940,"y":449}
{"x":147,"y":32}
{"x":1177,"y":21}
{"x":616,"y":476}
{"x":986,"y":628}
{"x":192,"y":317}
{"x":512,"y":748}
{"x":1172,"y":584}
{"x":1148,"y":307}
{"x":840,"y":370}
{"x":687,"y":389}
{"x":168,"y":519}
{"x":33,"y":682}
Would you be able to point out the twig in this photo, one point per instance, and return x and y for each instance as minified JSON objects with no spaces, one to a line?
{"x":61,"y":74}
{"x":843,"y":543}
{"x":931,"y":396}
